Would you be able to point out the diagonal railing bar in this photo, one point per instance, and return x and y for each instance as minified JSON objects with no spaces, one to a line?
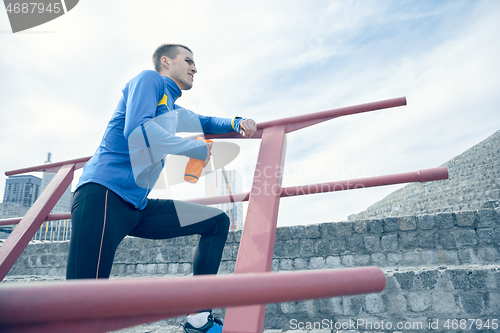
{"x":29,"y":308}
{"x":21,"y":235}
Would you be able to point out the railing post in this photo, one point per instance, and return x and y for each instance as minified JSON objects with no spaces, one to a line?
{"x":16,"y":242}
{"x":255,"y":254}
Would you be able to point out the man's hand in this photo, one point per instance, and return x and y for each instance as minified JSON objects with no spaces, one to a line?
{"x":209,"y":153}
{"x":248,"y":128}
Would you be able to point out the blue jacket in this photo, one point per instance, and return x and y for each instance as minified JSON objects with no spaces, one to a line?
{"x":141,"y":133}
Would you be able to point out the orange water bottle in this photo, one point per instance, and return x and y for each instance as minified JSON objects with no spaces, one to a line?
{"x":194,"y":167}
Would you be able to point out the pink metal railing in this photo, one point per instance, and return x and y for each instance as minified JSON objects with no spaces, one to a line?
{"x":75,"y":305}
{"x":254,"y":255}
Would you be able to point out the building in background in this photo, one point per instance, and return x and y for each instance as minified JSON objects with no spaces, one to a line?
{"x":55,"y":230}
{"x":20,"y":193}
{"x":215,"y":184}
{"x":23,"y":190}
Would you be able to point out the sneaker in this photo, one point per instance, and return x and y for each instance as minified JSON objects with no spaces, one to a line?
{"x":214,"y":325}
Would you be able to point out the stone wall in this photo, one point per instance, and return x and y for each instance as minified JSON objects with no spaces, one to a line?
{"x":438,"y":267}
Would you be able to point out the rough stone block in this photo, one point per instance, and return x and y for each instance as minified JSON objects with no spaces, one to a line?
{"x":374,"y":303}
{"x":372,"y":244}
{"x":394,"y":259}
{"x":379,"y":259}
{"x":227,"y":253}
{"x":297,"y":231}
{"x":448,"y":257}
{"x":395,"y":303}
{"x":493,"y":302}
{"x":360,"y":227}
{"x":170,"y":254}
{"x":486,"y":236}
{"x":355,"y":244}
{"x":408,"y":223}
{"x":487,"y":218}
{"x":429,"y":257}
{"x":375,"y":227}
{"x":446,"y":239}
{"x":173,"y":268}
{"x":344,"y":229}
{"x":408,"y":240}
{"x":287,"y":249}
{"x":326,"y":247}
{"x":141,"y":269}
{"x":312,"y":231}
{"x":361,"y":259}
{"x":151,"y":269}
{"x":331,"y":306}
{"x":459,"y":278}
{"x":333,"y":262}
{"x":477,"y":278}
{"x":472,"y":303}
{"x":412,"y":258}
{"x":488,"y":254}
{"x":465,"y":237}
{"x":468,"y":256}
{"x":445,"y":220}
{"x":426,"y":222}
{"x":130,"y":269}
{"x":428,"y":279}
{"x":275,"y":265}
{"x":306,"y":246}
{"x":419,"y":301}
{"x":391,"y":224}
{"x":405,"y":279}
{"x":286,"y":264}
{"x":353,"y":305}
{"x":230,"y":266}
{"x":465,"y":218}
{"x":300,"y":264}
{"x":162,"y":269}
{"x":290,"y":307}
{"x":427,"y":239}
{"x":235,"y":236}
{"x":328,"y":230}
{"x":444,"y":302}
{"x":185,"y":268}
{"x":317,"y":263}
{"x":390,"y":243}
{"x":348,"y":260}
{"x":444,"y":282}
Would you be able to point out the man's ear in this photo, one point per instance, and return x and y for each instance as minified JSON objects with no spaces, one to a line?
{"x":165,"y":62}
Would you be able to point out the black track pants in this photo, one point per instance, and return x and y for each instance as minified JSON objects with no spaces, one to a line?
{"x":101,"y":219}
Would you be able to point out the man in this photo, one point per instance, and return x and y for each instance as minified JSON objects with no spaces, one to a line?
{"x":111,"y":202}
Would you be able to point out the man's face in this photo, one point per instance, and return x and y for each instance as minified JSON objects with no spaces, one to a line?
{"x":182,"y":69}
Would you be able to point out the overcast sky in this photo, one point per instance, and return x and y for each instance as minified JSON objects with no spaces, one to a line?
{"x":60,"y":82}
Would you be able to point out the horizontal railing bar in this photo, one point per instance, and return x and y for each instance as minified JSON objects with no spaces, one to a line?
{"x":50,"y":217}
{"x":51,"y":167}
{"x":409,"y":177}
{"x":291,"y":123}
{"x":297,"y":122}
{"x":342,"y":185}
{"x":86,"y":300}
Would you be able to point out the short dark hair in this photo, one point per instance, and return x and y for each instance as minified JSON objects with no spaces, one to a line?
{"x":166,"y":50}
